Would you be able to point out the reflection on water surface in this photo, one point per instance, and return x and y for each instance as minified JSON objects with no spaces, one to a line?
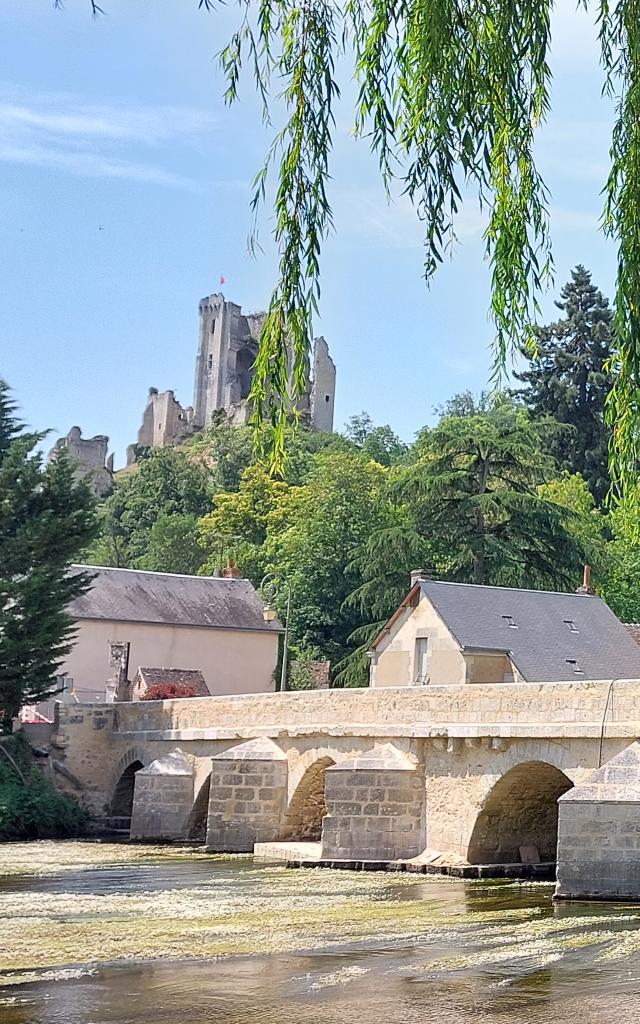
{"x":346,"y":947}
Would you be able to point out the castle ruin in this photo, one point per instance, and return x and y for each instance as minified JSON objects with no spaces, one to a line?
{"x":89,"y":455}
{"x":227,"y":349}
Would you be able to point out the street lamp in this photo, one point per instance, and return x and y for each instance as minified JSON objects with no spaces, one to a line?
{"x":271,"y":587}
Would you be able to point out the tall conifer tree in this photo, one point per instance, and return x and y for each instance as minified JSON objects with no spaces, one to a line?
{"x":46,"y":519}
{"x":568,"y":379}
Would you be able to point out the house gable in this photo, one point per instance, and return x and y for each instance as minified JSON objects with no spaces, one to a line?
{"x":416,"y":647}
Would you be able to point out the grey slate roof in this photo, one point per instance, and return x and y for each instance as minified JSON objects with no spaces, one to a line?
{"x":130,"y":595}
{"x":543,"y":642}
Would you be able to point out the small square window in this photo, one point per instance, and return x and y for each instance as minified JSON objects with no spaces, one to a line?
{"x":510,"y":621}
{"x":571,"y":626}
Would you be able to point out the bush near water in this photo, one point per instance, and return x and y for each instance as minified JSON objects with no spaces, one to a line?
{"x":33,"y":808}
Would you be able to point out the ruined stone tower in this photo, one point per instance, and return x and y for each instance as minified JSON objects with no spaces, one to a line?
{"x":227,"y":350}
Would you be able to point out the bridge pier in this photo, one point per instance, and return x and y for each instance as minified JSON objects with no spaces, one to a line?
{"x":599,"y":833}
{"x":247,"y":796}
{"x":374,"y":804}
{"x":162,"y":799}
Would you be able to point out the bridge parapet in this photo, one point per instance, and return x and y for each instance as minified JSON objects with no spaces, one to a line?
{"x":524,"y":709}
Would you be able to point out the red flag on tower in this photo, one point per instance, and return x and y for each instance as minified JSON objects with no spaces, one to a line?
{"x":223,"y":279}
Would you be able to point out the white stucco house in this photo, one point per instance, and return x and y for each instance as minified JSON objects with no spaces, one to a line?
{"x":208,"y":624}
{"x":453,"y":633}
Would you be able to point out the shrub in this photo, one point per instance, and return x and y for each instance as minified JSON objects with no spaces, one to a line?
{"x":33,"y":809}
{"x":168,"y":691}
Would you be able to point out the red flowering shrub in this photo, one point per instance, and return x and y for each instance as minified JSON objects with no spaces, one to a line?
{"x":166,"y":691}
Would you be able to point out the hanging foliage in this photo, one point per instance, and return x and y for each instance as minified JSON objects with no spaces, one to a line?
{"x":450,"y":94}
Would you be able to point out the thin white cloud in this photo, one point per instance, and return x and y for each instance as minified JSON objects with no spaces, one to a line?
{"x":366,"y":214}
{"x":91,"y":165}
{"x":147,"y":126}
{"x":568,"y":219}
{"x":61,"y":132}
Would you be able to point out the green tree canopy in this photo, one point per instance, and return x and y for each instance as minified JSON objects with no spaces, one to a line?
{"x":381,"y":444}
{"x":568,"y":379}
{"x":46,"y":519}
{"x":168,"y":482}
{"x":473,"y":491}
{"x":311,"y":538}
{"x":237,"y":525}
{"x":173,"y":545}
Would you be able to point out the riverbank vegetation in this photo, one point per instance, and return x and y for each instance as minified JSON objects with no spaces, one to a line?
{"x":30,"y":806}
{"x":507,"y":490}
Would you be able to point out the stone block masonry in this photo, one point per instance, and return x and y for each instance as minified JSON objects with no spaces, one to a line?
{"x":247,"y":796}
{"x":374,"y":808}
{"x":470,"y":773}
{"x":599,"y":833}
{"x":162,"y":798}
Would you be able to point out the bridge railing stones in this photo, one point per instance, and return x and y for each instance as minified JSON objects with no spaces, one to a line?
{"x":545,"y":709}
{"x":247,"y":796}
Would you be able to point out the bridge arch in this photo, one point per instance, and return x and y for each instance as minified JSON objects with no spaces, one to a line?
{"x":307,"y":807}
{"x":123,"y":781}
{"x":521,"y":809}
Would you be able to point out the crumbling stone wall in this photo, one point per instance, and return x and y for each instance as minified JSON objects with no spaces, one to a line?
{"x":323,"y":387}
{"x":90,"y":457}
{"x":164,"y":423}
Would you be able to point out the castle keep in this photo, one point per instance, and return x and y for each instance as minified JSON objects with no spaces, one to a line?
{"x":227,"y":349}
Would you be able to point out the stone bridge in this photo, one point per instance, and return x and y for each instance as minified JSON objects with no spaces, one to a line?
{"x":472,"y":771}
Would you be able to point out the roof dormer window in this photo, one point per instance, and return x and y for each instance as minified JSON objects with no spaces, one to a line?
{"x":573,"y":665}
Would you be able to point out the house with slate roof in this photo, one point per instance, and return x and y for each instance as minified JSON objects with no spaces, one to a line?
{"x":214,"y":626}
{"x":453,"y":633}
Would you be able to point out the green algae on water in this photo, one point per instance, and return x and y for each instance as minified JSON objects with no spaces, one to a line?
{"x":186,"y":911}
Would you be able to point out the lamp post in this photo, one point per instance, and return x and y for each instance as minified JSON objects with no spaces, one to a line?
{"x":271,"y":587}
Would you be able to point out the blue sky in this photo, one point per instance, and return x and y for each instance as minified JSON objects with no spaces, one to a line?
{"x":124,"y":197}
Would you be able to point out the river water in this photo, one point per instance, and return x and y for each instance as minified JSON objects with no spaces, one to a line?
{"x":94,"y":935}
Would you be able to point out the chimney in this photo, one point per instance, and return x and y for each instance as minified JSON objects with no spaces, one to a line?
{"x":231,"y":571}
{"x":586,"y":587}
{"x":418,"y":576}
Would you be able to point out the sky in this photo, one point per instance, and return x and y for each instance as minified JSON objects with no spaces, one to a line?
{"x":125,"y":185}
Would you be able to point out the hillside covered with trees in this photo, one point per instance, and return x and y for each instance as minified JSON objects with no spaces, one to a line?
{"x":507,"y":490}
